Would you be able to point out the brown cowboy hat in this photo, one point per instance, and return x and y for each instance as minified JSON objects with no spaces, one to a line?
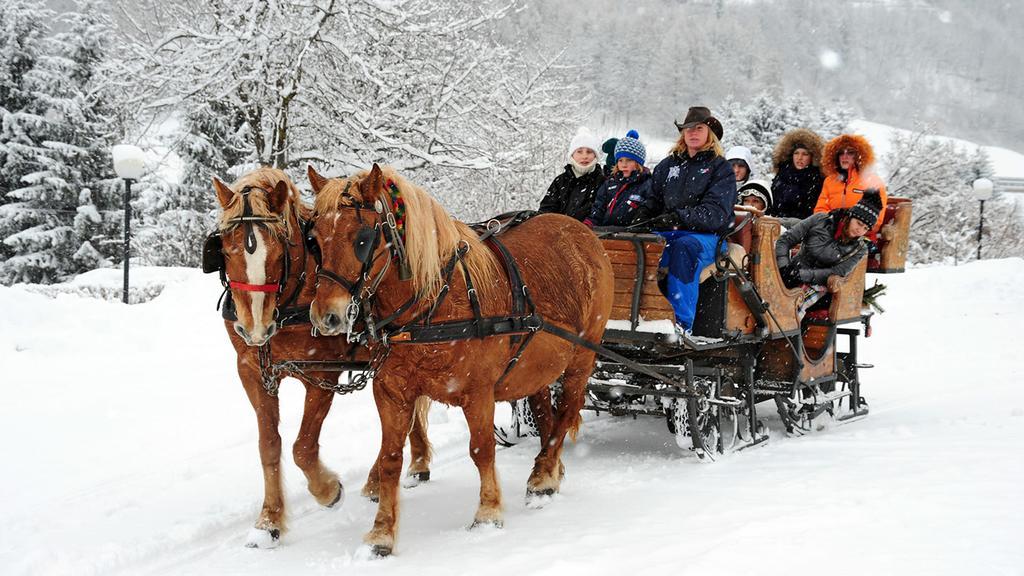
{"x":700,"y":115}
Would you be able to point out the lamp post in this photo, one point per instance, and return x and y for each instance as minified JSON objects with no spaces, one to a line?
{"x":982,"y":192}
{"x":129,"y":163}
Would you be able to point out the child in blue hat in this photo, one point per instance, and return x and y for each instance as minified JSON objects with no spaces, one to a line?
{"x":624,"y":191}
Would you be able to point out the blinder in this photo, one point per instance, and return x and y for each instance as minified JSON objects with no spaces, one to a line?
{"x":313,"y":247}
{"x":213,"y":255}
{"x":366,"y":240}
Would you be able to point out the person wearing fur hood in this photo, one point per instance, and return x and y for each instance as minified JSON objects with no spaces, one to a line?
{"x":846,"y":162}
{"x":798,"y":178}
{"x":573,"y":191}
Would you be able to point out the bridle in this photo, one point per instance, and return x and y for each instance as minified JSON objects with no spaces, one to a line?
{"x":213,"y":255}
{"x":368,"y":238}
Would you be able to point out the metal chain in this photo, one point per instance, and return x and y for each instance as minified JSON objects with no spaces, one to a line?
{"x":274,"y":372}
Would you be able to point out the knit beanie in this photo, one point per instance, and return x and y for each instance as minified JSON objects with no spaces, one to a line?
{"x":583,"y":139}
{"x":630,"y":147}
{"x":868,"y":209}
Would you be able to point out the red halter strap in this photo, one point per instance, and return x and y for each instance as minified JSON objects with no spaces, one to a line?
{"x":254,"y":287}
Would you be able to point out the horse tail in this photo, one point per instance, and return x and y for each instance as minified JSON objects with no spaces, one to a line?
{"x":421,"y":409}
{"x":574,"y":427}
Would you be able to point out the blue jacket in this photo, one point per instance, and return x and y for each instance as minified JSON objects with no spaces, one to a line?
{"x":700,"y":190}
{"x":619,"y":198}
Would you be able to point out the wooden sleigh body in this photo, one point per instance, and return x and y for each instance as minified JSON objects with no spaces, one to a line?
{"x":748,"y":340}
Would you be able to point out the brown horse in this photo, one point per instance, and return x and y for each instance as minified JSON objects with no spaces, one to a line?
{"x":267,"y":264}
{"x":562,"y":264}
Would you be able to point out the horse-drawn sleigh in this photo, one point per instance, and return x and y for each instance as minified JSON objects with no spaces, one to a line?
{"x":473,"y":316}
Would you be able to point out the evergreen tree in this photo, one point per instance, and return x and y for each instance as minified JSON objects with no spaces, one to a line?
{"x":760,"y":124}
{"x":56,"y":150}
{"x":22,"y":29}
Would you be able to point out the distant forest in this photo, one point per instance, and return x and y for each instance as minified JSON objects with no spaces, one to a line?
{"x":953,"y":66}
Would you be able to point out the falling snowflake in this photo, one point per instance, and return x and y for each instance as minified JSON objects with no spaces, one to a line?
{"x":829,"y":59}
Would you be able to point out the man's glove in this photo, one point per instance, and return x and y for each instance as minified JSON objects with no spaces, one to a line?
{"x":669,"y":219}
{"x":805,"y":275}
{"x":642,"y":215}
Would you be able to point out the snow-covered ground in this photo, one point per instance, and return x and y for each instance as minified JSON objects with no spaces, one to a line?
{"x":130,"y":448}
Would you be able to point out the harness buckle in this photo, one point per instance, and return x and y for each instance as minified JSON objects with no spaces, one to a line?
{"x":493,"y":224}
{"x":533,"y":322}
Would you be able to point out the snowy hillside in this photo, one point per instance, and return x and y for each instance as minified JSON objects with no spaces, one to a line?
{"x":130,"y":448}
{"x":1005,"y":163}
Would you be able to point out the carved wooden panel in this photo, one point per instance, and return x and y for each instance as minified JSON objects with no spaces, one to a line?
{"x":782,"y":301}
{"x":846,"y":302}
{"x":894,"y":252}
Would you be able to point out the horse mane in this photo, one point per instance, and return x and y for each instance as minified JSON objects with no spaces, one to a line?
{"x":431,"y":236}
{"x":265,"y":178}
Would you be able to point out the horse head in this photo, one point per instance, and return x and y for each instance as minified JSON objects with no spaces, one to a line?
{"x":347,"y":241}
{"x":259,"y":215}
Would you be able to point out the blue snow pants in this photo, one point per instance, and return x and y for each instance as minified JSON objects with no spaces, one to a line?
{"x":686,"y":254}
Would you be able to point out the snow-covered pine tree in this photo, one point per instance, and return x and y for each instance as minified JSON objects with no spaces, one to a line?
{"x":22,"y":29}
{"x":176,"y":216}
{"x":56,"y":156}
{"x":760,"y":123}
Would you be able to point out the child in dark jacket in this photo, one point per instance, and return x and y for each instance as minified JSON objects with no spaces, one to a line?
{"x":623,"y":193}
{"x":573,"y":191}
{"x":831,"y":246}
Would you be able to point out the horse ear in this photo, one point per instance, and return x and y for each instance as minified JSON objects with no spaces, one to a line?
{"x":374,"y":184}
{"x":224,"y":194}
{"x":279,"y":196}
{"x":315,"y":180}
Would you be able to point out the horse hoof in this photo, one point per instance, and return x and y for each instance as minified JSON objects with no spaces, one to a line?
{"x":539,"y":498}
{"x":380,"y":551}
{"x":495,"y":524}
{"x":263,"y":538}
{"x":414,"y":480}
{"x":339,"y":498}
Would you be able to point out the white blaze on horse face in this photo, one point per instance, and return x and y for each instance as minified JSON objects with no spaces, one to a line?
{"x":339,"y":304}
{"x":256,"y":273}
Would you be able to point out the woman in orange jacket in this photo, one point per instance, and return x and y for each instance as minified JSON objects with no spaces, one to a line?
{"x":846,"y":163}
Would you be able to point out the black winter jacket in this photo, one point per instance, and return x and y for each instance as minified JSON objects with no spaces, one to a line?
{"x":619,"y":199}
{"x":700,"y":190}
{"x":795,"y":192}
{"x":572,"y":196}
{"x":821,"y":254}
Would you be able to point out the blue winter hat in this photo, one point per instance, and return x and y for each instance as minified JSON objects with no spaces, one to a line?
{"x":630,"y":147}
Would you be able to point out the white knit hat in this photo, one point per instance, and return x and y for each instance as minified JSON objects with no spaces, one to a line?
{"x":584,"y":139}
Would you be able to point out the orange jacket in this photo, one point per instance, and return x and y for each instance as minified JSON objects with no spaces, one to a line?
{"x":836,"y":193}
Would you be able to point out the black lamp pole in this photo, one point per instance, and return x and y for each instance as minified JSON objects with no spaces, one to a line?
{"x":128,"y":233}
{"x":981,"y":224}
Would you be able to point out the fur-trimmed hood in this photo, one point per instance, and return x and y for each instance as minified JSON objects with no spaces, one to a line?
{"x":799,"y":138}
{"x":865,"y":153}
